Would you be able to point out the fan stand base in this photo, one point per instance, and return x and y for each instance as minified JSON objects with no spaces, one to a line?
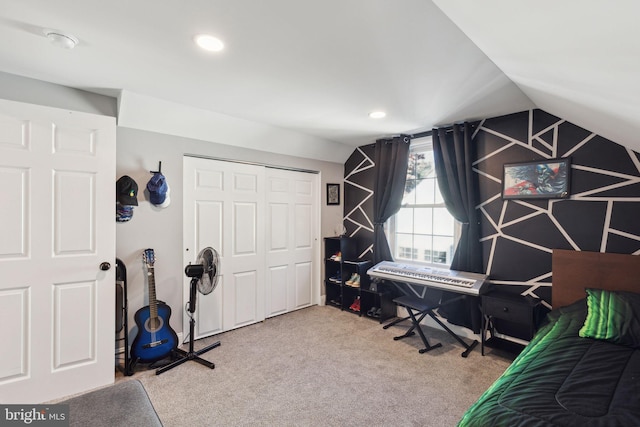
{"x":191,"y":355}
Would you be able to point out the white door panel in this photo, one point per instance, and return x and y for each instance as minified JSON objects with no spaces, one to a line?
{"x":209,"y":314}
{"x":223,"y":207}
{"x":14,"y":225}
{"x":303,"y":285}
{"x":277,"y":289}
{"x":245,"y":290}
{"x":245,"y":229}
{"x":57,"y":171}
{"x":291,"y":233}
{"x":74,"y":314}
{"x":303,"y":226}
{"x":14,"y":310}
{"x":74,"y":217}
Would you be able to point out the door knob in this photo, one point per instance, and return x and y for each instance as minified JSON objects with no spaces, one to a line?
{"x":105,"y":266}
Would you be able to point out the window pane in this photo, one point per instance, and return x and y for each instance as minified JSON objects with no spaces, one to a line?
{"x":411,"y":166}
{"x":424,"y":165}
{"x":404,"y":220}
{"x":426,"y":191}
{"x":404,"y":246}
{"x":409,"y":197}
{"x":443,"y":249}
{"x":443,"y":222}
{"x":422,"y":245}
{"x":423,"y":221}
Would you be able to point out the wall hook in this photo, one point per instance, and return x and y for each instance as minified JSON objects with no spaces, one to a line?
{"x":159,"y":169}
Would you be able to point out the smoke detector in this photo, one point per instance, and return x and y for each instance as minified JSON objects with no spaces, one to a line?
{"x":61,"y":39}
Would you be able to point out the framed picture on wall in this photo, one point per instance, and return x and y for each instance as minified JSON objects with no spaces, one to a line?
{"x":333,"y":194}
{"x":544,"y":179}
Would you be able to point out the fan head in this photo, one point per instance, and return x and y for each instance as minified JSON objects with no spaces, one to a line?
{"x":208,"y":258}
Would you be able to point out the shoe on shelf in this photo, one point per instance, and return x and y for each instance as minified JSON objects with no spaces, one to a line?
{"x":337,"y":278}
{"x":352,"y":279}
{"x":372,"y":311}
{"x":356,"y":281}
{"x":356,"y":304}
{"x":336,"y":257}
{"x":378,"y":312}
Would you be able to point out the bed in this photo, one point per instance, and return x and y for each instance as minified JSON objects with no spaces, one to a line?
{"x":562,"y":378}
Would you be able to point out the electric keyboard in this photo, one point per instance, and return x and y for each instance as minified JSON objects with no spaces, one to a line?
{"x":449,"y":280}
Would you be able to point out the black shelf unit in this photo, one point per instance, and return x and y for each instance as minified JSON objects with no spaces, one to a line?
{"x":333,"y":268}
{"x":380,"y":299}
{"x":351,"y":293}
{"x":375,"y":303}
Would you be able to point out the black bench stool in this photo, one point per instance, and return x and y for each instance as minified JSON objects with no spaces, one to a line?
{"x":418,"y":309}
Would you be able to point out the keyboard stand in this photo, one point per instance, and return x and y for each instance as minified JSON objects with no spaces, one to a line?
{"x":419,"y":307}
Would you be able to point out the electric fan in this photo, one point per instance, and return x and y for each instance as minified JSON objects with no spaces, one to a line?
{"x":204,"y":279}
{"x":210,"y":262}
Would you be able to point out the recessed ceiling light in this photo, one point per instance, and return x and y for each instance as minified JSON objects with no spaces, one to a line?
{"x":377,"y":114}
{"x":210,"y":43}
{"x":61,"y":39}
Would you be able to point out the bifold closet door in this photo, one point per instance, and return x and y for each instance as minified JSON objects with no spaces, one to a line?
{"x":291,"y":222}
{"x":263,"y":222}
{"x":57,"y":252}
{"x":224,"y":209}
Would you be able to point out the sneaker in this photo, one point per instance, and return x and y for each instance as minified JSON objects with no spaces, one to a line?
{"x":356,"y":304}
{"x":350,"y":282}
{"x":337,"y":278}
{"x":336,"y":257}
{"x":356,"y":281}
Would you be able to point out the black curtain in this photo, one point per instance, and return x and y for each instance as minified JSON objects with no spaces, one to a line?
{"x":454,"y":153}
{"x":391,"y":159}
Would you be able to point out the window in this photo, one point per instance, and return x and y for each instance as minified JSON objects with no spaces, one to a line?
{"x":423,"y":230}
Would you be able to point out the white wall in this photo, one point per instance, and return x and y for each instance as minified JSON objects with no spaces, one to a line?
{"x":139,"y":152}
{"x":23,"y":89}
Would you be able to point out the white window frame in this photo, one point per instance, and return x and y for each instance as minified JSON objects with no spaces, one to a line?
{"x":421,"y":144}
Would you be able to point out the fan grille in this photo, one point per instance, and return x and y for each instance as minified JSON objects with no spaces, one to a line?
{"x":208,"y":258}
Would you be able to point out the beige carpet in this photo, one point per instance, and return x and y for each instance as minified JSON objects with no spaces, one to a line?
{"x":322,"y":367}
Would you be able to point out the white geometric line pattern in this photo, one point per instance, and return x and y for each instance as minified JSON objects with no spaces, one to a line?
{"x":365,"y":164}
{"x":367,"y":251}
{"x":357,"y":218}
{"x":358,"y":208}
{"x":505,"y":228}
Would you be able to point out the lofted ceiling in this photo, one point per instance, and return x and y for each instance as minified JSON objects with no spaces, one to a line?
{"x":308,"y":73}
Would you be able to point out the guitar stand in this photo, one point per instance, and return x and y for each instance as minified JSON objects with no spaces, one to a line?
{"x":191,"y":355}
{"x":422,"y":309}
{"x":122,"y":316}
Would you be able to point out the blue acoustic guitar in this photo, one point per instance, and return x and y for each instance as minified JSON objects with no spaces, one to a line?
{"x":155,"y":339}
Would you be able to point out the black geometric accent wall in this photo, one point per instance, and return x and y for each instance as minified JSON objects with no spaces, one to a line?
{"x":358,"y":199}
{"x":518,"y":236}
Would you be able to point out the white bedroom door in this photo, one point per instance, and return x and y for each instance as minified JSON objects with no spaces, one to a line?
{"x":57,"y":314}
{"x":292,"y":236}
{"x":224,"y":209}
